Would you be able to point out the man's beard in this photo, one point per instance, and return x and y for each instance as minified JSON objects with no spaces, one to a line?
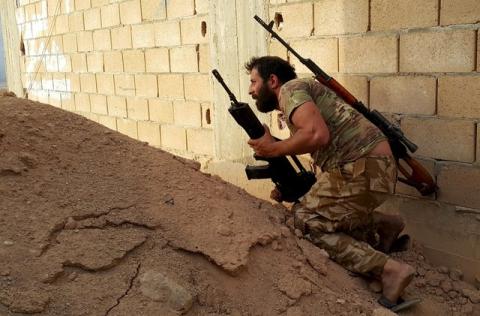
{"x":266,"y":99}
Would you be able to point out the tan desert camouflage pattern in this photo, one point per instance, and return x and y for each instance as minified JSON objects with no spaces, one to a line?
{"x":337,"y":213}
{"x":351,"y":134}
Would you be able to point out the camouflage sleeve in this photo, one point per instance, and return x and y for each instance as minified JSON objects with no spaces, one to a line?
{"x":293,"y":94}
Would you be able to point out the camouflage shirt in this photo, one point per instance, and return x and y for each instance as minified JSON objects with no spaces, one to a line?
{"x":352,"y":136}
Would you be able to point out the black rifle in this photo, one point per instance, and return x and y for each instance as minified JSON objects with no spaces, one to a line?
{"x":419,"y":176}
{"x":291,"y":184}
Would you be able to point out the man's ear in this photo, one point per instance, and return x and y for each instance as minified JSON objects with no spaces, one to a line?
{"x":273,"y":81}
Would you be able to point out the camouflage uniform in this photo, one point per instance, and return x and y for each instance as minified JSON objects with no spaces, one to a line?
{"x":337,"y":213}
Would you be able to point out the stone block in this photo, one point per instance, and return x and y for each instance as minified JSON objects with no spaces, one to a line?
{"x":85,"y":41}
{"x":297,"y":19}
{"x":127,"y":127}
{"x":340,"y":17}
{"x":154,"y":10}
{"x":403,"y":94}
{"x":82,"y":102}
{"x":194,"y":30}
{"x":68,"y":101}
{"x":82,"y":5}
{"x":459,"y":184}
{"x":143,"y":35}
{"x":92,"y":19}
{"x":204,"y":59}
{"x":133,"y":61}
{"x":121,"y":37}
{"x":445,"y":51}
{"x":324,"y":52}
{"x":356,"y":85}
{"x":180,"y":8}
{"x":113,"y":61}
{"x":170,"y":86}
{"x":73,"y":82}
{"x":167,"y":33}
{"x":173,"y":137}
{"x":79,"y":62}
{"x":459,"y":12}
{"x":75,"y":22}
{"x":137,"y":108}
{"x":108,"y":121}
{"x":61,"y":25}
{"x":433,"y":136}
{"x":59,"y":82}
{"x":200,"y":141}
{"x":124,"y":84}
{"x":187,"y":113}
{"x":51,"y":63}
{"x":69,"y":43}
{"x":99,"y":3}
{"x":157,"y":60}
{"x":102,"y":40}
{"x":146,"y":85}
{"x":130,"y":12}
{"x":149,"y":132}
{"x":197,"y":87}
{"x":184,"y":59}
{"x":161,"y":111}
{"x":110,"y":15}
{"x":459,"y":96}
{"x":47,"y":82}
{"x":201,"y":6}
{"x":95,"y":62}
{"x":117,"y":106}
{"x":68,"y":6}
{"x":88,"y":83}
{"x":98,"y":104}
{"x":277,"y":49}
{"x":394,"y":15}
{"x":105,"y":84}
{"x":54,"y":99}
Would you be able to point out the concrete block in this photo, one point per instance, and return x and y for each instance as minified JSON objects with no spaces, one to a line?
{"x":394,"y":15}
{"x":82,"y":4}
{"x":459,"y":12}
{"x":56,"y":45}
{"x":92,"y":19}
{"x":180,"y":8}
{"x":20,"y":15}
{"x":173,"y":137}
{"x":68,"y":6}
{"x":73,"y":82}
{"x":157,"y":60}
{"x":277,"y":49}
{"x":368,"y":54}
{"x":59,"y":82}
{"x":127,"y":127}
{"x":149,"y":132}
{"x":459,"y":96}
{"x":130,"y":12}
{"x":201,"y":6}
{"x":124,"y":84}
{"x":95,"y":62}
{"x":198,"y":87}
{"x":75,"y":22}
{"x":47,"y":82}
{"x":459,"y":184}
{"x":82,"y":102}
{"x":68,"y":101}
{"x":117,"y":106}
{"x":61,"y":24}
{"x":98,"y":104}
{"x":121,"y":37}
{"x":133,"y":61}
{"x":102,"y":40}
{"x":403,"y":94}
{"x":85,"y":41}
{"x":207,"y":115}
{"x":204,"y":59}
{"x":340,"y":17}
{"x":170,"y":86}
{"x":146,"y":85}
{"x":160,"y":111}
{"x":184,"y":59}
{"x":79,"y":62}
{"x":69,"y":43}
{"x":137,"y":108}
{"x":446,"y":51}
{"x":143,"y":35}
{"x":432,"y":136}
{"x":187,"y":113}
{"x":88,"y":83}
{"x":154,"y":10}
{"x":54,"y":99}
{"x":51,"y":63}
{"x":110,"y":15}
{"x":108,"y":121}
{"x":356,"y":85}
{"x":113,"y":61}
{"x":323,"y":51}
{"x":297,"y":19}
{"x":105,"y":84}
{"x":167,"y":33}
{"x":99,"y":3}
{"x":194,"y":30}
{"x":200,"y":141}
{"x":30,"y":12}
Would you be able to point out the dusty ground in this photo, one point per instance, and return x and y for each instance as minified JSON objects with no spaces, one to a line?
{"x":95,"y":223}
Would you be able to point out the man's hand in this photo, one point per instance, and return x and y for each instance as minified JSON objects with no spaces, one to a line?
{"x":264,"y":146}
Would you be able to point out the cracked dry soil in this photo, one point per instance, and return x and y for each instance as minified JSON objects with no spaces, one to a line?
{"x":95,"y":223}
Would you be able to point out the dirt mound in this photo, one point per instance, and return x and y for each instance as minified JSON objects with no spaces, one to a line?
{"x":95,"y":223}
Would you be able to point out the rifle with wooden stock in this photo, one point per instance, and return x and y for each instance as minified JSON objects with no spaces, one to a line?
{"x":419,"y":177}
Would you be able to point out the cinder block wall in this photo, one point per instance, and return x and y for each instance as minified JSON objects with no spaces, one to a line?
{"x":136,"y":66}
{"x":417,"y":62}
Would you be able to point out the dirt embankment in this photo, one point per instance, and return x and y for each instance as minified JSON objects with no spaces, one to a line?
{"x":95,"y":223}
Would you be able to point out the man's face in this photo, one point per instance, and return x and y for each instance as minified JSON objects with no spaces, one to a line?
{"x":266,"y":99}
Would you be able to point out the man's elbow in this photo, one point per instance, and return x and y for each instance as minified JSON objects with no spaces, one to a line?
{"x":321,"y":139}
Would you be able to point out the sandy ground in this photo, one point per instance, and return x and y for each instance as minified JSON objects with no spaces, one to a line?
{"x":95,"y":223}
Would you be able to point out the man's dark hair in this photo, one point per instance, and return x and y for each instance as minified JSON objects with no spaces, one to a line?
{"x":268,"y":65}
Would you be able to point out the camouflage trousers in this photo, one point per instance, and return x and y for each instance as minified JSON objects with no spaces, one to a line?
{"x":337,"y":213}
